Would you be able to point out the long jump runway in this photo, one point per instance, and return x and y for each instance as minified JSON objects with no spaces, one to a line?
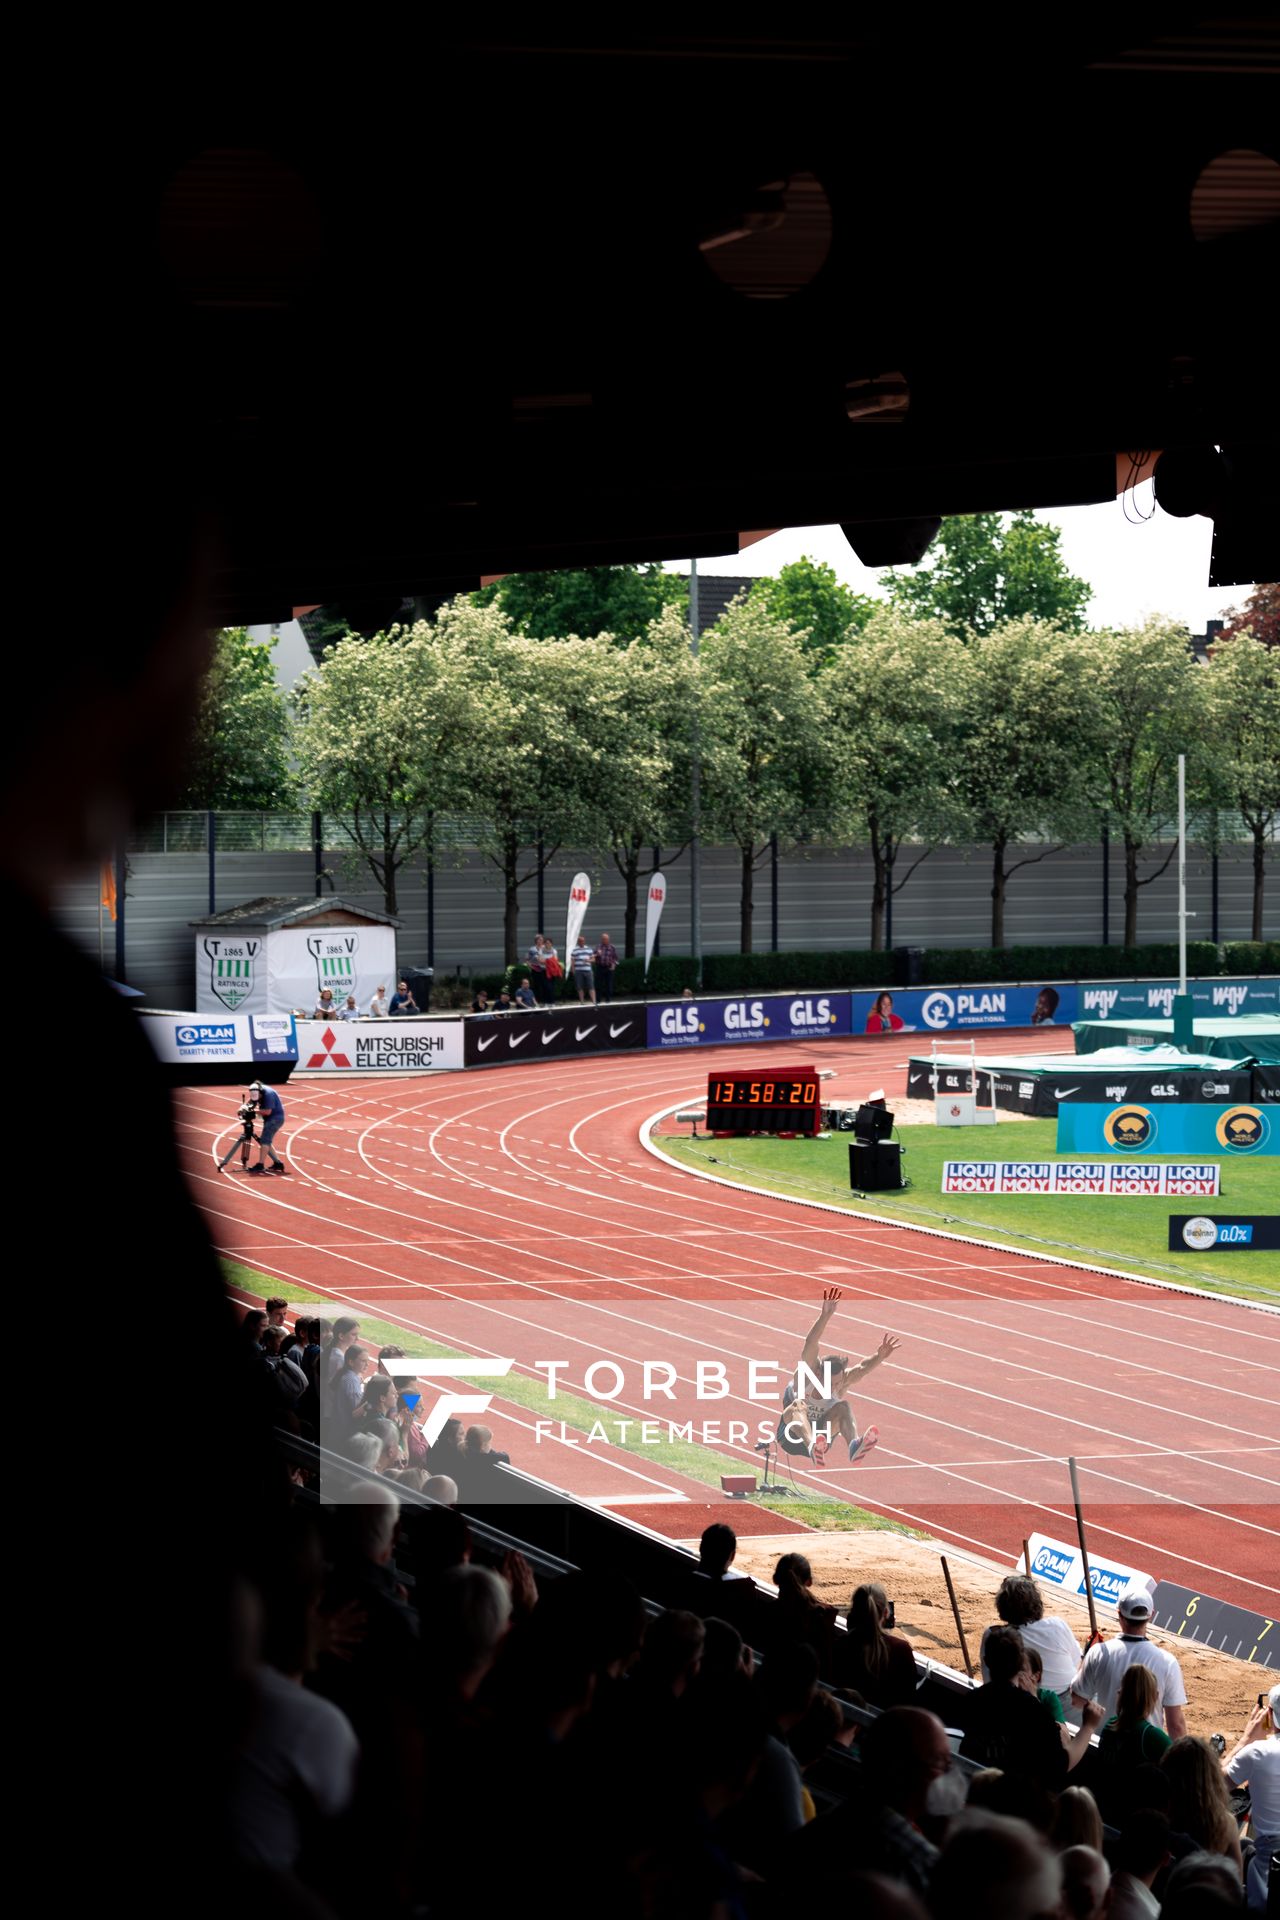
{"x":515,"y":1214}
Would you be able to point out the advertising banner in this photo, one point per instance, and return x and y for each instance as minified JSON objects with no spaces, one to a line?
{"x":1135,"y":1126}
{"x":223,"y":1050}
{"x":579,"y":901}
{"x":347,"y":960}
{"x":501,"y":1039}
{"x":1198,"y":1086}
{"x":657,"y":899}
{"x":231,"y":973}
{"x":1062,"y":1566}
{"x":942,"y":1009}
{"x":1079,"y":1176}
{"x":1153,"y":999}
{"x":771,"y":1016}
{"x":379,"y":1046}
{"x":1224,"y":1232}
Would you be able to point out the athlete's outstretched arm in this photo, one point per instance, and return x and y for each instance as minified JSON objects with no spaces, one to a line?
{"x":809,"y":1351}
{"x":885,"y":1351}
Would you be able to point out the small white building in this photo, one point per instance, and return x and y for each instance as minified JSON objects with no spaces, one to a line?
{"x":274,"y":955}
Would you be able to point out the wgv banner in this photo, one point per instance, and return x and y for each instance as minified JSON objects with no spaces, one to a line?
{"x":941,"y":1009}
{"x":379,"y":1046}
{"x":1236,"y":1129}
{"x":1079,"y":1176}
{"x":772,"y":1016}
{"x":1153,"y":999}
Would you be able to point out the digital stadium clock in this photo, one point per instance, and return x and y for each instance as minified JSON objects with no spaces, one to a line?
{"x":764,"y":1100}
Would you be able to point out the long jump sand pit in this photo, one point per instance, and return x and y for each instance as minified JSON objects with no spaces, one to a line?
{"x":1221,"y":1692}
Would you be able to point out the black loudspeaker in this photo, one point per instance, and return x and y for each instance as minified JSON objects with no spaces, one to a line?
{"x":875,"y":1166}
{"x":873,"y":1123}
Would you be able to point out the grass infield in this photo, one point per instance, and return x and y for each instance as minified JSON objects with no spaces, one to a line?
{"x":1129,"y":1234}
{"x":689,"y":1457}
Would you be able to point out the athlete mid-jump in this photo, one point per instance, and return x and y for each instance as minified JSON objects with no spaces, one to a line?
{"x":810,"y":1418}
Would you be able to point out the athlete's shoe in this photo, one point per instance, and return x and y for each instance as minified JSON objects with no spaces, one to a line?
{"x":859,"y":1448}
{"x":818,"y":1452}
{"x":255,"y":1169}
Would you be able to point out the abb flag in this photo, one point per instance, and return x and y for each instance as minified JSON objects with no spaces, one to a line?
{"x":579,"y":901}
{"x":652,"y":915}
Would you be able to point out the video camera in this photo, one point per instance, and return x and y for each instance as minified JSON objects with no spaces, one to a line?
{"x":247,"y":1113}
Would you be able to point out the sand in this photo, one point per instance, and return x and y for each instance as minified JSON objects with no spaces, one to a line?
{"x":1221,"y":1692}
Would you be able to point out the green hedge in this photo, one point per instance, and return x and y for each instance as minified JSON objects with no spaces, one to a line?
{"x":1251,"y":956}
{"x":855,"y":968}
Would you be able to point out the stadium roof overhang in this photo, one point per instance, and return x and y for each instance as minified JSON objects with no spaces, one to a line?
{"x":533,"y":303}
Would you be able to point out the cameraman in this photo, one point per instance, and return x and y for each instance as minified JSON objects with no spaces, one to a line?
{"x":246,"y":1114}
{"x":271,"y":1107}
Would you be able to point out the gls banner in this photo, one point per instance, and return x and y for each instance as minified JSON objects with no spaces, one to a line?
{"x":503,"y":1039}
{"x":941,"y":1009}
{"x":1080,"y":1176}
{"x":771,"y":1016}
{"x":1153,"y":999}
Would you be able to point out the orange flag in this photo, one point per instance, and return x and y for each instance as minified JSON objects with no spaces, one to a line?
{"x":108,"y":894}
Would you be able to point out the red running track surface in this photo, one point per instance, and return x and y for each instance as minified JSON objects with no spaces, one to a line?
{"x":515,"y":1213}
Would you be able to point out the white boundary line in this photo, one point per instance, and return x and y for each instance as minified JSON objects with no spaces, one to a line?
{"x":934,"y":1233}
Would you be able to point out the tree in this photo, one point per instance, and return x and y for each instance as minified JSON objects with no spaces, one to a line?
{"x":761,"y":737}
{"x":982,"y":573}
{"x":1242,"y":693}
{"x":895,"y":744}
{"x":1259,"y":616}
{"x":643,"y":798}
{"x":621,"y":601}
{"x":386,"y":732}
{"x":549,"y":713}
{"x":1141,"y":705}
{"x":239,"y":753}
{"x":1021,"y":725}
{"x":819,"y":607}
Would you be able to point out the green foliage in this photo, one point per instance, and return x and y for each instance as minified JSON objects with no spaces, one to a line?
{"x":1251,"y":956}
{"x":819,"y":608}
{"x":621,"y":601}
{"x":238,"y":758}
{"x":983,"y":572}
{"x":959,"y":966}
{"x":386,"y":731}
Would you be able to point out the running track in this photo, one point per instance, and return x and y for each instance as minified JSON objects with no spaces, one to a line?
{"x":515,"y":1213}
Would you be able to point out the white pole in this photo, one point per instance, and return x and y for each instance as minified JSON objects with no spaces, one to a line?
{"x":1182,"y":873}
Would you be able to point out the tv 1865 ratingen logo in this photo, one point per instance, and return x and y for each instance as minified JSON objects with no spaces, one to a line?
{"x":1131,"y":1129}
{"x":335,"y":958}
{"x":231,"y":964}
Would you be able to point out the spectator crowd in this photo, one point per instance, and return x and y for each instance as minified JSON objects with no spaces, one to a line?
{"x":429,"y":1723}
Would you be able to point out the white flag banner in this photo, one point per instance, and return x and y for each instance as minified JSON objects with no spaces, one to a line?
{"x":579,"y":901}
{"x":652,"y":915}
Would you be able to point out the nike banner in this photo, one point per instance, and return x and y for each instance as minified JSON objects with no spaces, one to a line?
{"x":506,"y":1039}
{"x":579,"y":901}
{"x":652,"y":915}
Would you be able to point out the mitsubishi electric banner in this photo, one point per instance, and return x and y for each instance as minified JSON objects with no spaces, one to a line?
{"x":773,"y":1016}
{"x":941,"y":1009}
{"x":379,"y":1046}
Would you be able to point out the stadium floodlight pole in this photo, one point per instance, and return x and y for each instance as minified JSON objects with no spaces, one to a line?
{"x":695,"y":801}
{"x":1182,"y":873}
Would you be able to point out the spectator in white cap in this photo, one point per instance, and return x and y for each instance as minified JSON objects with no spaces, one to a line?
{"x":1254,"y":1762}
{"x":1104,"y":1666}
